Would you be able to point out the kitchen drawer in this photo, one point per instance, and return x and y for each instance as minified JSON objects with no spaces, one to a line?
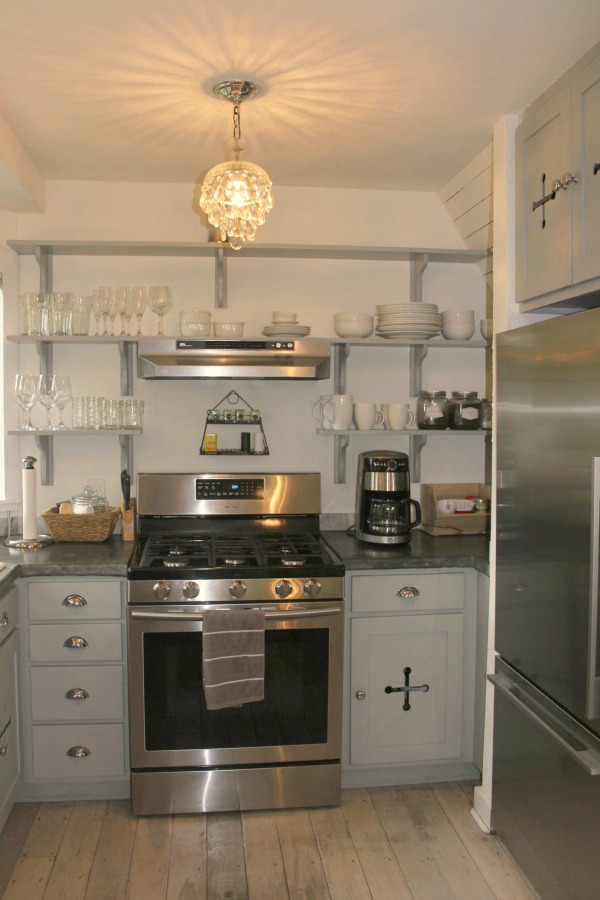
{"x":73,"y":600}
{"x":382,"y":593}
{"x":102,"y":642}
{"x":9,"y":731}
{"x":104,"y":745}
{"x":9,"y":613}
{"x":102,"y":684}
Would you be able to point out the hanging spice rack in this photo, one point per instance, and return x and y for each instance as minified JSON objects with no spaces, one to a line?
{"x":228,"y":412}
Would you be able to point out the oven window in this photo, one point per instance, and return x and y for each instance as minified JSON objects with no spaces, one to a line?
{"x":294,"y":710}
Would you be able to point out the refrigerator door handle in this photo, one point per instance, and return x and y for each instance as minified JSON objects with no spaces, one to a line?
{"x":593,"y":682}
{"x":582,"y":755}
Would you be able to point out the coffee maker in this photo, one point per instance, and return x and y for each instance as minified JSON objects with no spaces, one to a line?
{"x":385,"y":513}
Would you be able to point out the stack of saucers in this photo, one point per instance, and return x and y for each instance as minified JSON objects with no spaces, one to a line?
{"x":285,"y":325}
{"x":411,"y":321}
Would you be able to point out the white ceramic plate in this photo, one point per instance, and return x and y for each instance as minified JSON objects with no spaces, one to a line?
{"x":286,"y":331}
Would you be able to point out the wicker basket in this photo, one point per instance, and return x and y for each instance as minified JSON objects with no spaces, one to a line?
{"x":69,"y":527}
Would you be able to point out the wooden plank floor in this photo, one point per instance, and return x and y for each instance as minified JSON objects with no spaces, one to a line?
{"x":406,"y":843}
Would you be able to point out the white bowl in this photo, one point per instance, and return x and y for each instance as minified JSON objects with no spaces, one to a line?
{"x":360,"y":328}
{"x":486,"y":328}
{"x":285,"y":318}
{"x":352,"y":317}
{"x":458,"y":315}
{"x":195,"y":329}
{"x":458,"y":331}
{"x":447,"y":506}
{"x":194,"y":316}
{"x":228,"y":329}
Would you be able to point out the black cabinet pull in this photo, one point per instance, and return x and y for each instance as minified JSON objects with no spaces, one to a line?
{"x":407,"y":688}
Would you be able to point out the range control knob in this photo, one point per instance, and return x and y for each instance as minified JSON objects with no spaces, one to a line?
{"x":312,"y":587}
{"x":191,"y":590}
{"x":237,"y":589}
{"x":284,"y":588}
{"x":161,"y":590}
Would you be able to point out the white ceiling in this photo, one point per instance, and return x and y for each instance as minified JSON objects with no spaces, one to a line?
{"x":395,"y":93}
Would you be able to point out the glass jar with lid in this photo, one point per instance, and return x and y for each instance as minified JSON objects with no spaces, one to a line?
{"x":465,"y":411}
{"x":432,"y":410}
{"x":89,"y":501}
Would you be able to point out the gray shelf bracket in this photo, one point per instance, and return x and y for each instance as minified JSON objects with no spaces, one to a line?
{"x":45,"y":445}
{"x":418,"y":352}
{"x":126,"y":359}
{"x":416,"y":442}
{"x":340,"y":355}
{"x":44,"y":352}
{"x":220,"y":279}
{"x":43,"y":256}
{"x":418,"y":264}
{"x":340,"y":444}
{"x":126,"y":442}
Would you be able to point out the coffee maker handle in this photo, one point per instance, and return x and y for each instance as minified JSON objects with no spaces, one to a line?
{"x":417,"y":508}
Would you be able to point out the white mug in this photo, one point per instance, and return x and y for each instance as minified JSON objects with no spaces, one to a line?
{"x":318,"y":410}
{"x":399,"y":416}
{"x":366,"y":416}
{"x":338,"y":411}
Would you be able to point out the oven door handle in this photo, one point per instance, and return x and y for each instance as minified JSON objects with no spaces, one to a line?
{"x":198,"y":617}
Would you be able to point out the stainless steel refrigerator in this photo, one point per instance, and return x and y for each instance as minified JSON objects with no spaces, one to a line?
{"x":546,"y":767}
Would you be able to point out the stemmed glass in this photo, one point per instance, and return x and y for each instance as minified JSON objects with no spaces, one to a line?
{"x":123,"y":302}
{"x":160,"y":301}
{"x":46,"y":385}
{"x":25,"y":393}
{"x":62,"y":398}
{"x":138,"y":304}
{"x":97,"y":310}
{"x":105,"y":296}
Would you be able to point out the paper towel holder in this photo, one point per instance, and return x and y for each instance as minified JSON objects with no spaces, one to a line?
{"x":19,"y":542}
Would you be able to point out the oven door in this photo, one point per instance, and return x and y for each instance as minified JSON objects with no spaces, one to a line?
{"x":298,"y":720}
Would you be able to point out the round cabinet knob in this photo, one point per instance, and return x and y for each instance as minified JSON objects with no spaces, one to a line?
{"x":191,"y":590}
{"x":3,"y":749}
{"x":237,"y":589}
{"x":161,"y":590}
{"x":4,"y":621}
{"x":361,"y":695}
{"x":284,"y":588}
{"x":312,"y":587}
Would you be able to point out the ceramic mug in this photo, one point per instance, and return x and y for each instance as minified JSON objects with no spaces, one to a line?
{"x":366,"y":416}
{"x":318,"y":410}
{"x":338,"y":411}
{"x":398,"y":416}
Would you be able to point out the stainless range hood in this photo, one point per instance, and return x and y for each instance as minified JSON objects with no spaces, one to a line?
{"x":307,"y":359}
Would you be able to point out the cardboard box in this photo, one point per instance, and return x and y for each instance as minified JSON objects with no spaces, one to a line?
{"x":437,"y":524}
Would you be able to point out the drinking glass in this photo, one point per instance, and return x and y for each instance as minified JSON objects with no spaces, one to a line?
{"x":138,"y":304}
{"x":25,"y":394}
{"x":97,"y":310}
{"x":160,"y":301}
{"x":112,"y":314}
{"x":63,"y":397}
{"x":80,"y":314}
{"x":46,"y":386}
{"x":123,"y":301}
{"x":61,"y":308}
{"x":105,"y":297}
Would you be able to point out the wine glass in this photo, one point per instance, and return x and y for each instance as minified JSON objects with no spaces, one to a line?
{"x":25,"y":393}
{"x":62,"y":398}
{"x":105,"y":297}
{"x":46,"y":386}
{"x":138,"y":305}
{"x":123,"y":302}
{"x":160,"y":301}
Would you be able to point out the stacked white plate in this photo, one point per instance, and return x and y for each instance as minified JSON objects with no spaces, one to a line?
{"x":286,"y":331}
{"x":412,"y":321}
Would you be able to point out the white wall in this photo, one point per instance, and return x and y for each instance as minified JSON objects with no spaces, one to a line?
{"x":175,"y":411}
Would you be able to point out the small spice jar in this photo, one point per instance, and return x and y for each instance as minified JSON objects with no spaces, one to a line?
{"x":432,"y":410}
{"x":465,"y":412}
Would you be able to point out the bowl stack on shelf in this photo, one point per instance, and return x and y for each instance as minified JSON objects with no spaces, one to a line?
{"x":285,"y":325}
{"x":409,"y":321}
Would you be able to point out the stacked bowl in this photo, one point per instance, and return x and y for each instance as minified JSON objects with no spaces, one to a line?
{"x":347,"y":325}
{"x":194,"y":323}
{"x":285,"y":325}
{"x":411,"y":321}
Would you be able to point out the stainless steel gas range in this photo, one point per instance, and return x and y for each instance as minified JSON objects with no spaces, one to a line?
{"x":231,"y":542}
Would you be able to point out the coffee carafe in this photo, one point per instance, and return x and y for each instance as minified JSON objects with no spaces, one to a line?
{"x":385,"y":513}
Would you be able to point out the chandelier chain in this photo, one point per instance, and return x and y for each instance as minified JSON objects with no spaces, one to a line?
{"x":237,"y":126}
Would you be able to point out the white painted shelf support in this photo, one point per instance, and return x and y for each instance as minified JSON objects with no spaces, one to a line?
{"x":416,"y":442}
{"x":340,"y":445}
{"x":418,"y":352}
{"x":418,"y":264}
{"x":45,"y":445}
{"x":220,"y":279}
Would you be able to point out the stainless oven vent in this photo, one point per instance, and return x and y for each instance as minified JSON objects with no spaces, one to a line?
{"x":307,"y":359}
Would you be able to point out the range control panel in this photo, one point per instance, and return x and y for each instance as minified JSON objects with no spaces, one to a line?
{"x":240,"y":488}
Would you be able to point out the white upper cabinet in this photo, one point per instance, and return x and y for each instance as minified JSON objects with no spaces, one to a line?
{"x":558,"y":197}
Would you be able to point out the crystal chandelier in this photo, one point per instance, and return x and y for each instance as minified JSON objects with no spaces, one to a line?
{"x":236,"y":195}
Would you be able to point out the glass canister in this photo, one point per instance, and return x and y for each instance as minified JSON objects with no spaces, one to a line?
{"x":89,"y":501}
{"x":432,"y":410}
{"x":465,"y":412}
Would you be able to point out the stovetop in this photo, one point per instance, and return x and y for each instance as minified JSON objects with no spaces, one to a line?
{"x":233,"y":555}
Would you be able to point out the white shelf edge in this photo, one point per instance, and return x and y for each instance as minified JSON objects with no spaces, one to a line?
{"x":424,"y":432}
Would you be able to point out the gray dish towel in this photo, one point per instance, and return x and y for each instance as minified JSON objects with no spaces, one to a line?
{"x":233,"y":656}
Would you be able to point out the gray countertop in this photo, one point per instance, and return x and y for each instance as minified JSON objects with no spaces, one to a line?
{"x":111,"y":557}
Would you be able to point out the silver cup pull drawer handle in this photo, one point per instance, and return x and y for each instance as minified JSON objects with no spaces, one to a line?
{"x":77,"y":694}
{"x":408,"y":593}
{"x":74,"y":600}
{"x":78,"y":752}
{"x":75,"y":643}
